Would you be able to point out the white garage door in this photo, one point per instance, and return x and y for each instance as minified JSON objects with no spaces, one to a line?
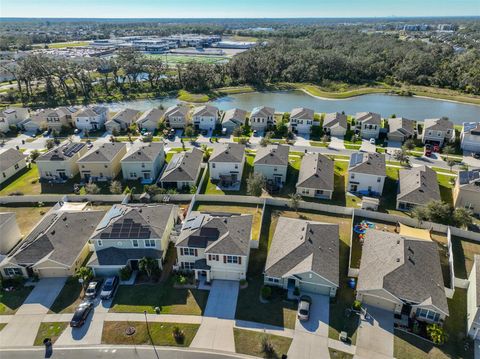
{"x":52,"y":272}
{"x":314,"y":288}
{"x":379,"y":302}
{"x":226,"y":275}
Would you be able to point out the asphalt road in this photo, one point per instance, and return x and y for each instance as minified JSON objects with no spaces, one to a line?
{"x":117,"y":352}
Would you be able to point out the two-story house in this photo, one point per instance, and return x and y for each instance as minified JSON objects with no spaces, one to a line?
{"x":143,"y":162}
{"x":470,"y":137}
{"x":301,"y":120}
{"x":177,"y":116}
{"x":150,"y":120}
{"x":316,"y":177}
{"x":233,"y":118}
{"x":400,"y":129}
{"x":215,"y":246}
{"x":60,"y":163}
{"x":12,"y":116}
{"x":335,"y":124}
{"x":51,"y":119}
{"x":226,"y":164}
{"x":369,"y":124}
{"x":466,"y":192}
{"x":272,"y":162}
{"x":90,"y":118}
{"x":129,"y":232}
{"x":122,"y":120}
{"x":183,"y":170}
{"x":438,"y":131}
{"x":11,"y":162}
{"x":205,"y":117}
{"x":102,"y":163}
{"x":261,"y":118}
{"x":367,"y":173}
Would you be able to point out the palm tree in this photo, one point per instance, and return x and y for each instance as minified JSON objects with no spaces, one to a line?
{"x":147,"y":265}
{"x":85,"y":274}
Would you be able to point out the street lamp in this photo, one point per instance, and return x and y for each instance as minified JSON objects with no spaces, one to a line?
{"x":149,"y":335}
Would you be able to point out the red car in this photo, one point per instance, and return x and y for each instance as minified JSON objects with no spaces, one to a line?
{"x":436,"y":148}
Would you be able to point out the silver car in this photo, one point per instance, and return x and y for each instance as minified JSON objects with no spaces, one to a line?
{"x":304,"y":305}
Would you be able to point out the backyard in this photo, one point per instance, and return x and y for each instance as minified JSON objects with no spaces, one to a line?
{"x":25,"y":182}
{"x":27,"y":217}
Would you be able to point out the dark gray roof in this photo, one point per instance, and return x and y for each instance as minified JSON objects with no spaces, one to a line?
{"x":331,"y":119}
{"x":368,"y":163}
{"x":316,"y":172}
{"x":134,"y":221}
{"x":63,"y":152}
{"x":418,"y":185}
{"x":144,"y":153}
{"x":154,"y":115}
{"x":217,"y":233}
{"x":104,"y":153}
{"x":120,"y":256}
{"x":205,"y":110}
{"x":408,"y":268}
{"x":231,"y":152}
{"x":300,"y":246}
{"x":272,"y":155}
{"x":127,"y":116}
{"x":370,"y":118}
{"x":235,"y":115}
{"x":60,"y":236}
{"x":183,"y":166}
{"x":437,"y":124}
{"x":302,"y":113}
{"x":401,"y":126}
{"x":9,"y":158}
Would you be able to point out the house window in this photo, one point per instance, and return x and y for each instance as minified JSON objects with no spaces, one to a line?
{"x":428,"y":314}
{"x":190,"y":252}
{"x":99,"y":243}
{"x":352,"y":176}
{"x":213,"y":257}
{"x":133,"y":174}
{"x":16,"y":166}
{"x":213,"y":165}
{"x":275,"y":169}
{"x":379,"y":179}
{"x":273,"y":280}
{"x":12,"y":271}
{"x":106,"y":166}
{"x":188,"y":265}
{"x":135,"y":242}
{"x":236,"y":167}
{"x":232,"y":259}
{"x":149,"y":242}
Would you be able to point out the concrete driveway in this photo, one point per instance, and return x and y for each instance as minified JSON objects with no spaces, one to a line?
{"x":375,"y":335}
{"x":368,"y":147}
{"x":222,"y":300}
{"x":336,"y":143}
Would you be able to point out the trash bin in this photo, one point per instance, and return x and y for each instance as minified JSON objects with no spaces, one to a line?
{"x":47,"y":342}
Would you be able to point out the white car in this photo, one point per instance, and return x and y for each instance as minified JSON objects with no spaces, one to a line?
{"x":372,"y":141}
{"x":304,"y":304}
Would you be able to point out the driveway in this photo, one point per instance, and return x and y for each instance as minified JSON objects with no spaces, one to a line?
{"x":216,"y":330}
{"x":368,"y":147}
{"x":375,"y":335}
{"x":336,"y":143}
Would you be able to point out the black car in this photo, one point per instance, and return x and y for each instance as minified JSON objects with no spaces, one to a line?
{"x":81,"y":314}
{"x":109,"y":287}
{"x":476,"y":156}
{"x":93,"y":289}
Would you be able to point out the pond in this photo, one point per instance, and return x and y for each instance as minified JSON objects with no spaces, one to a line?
{"x":414,"y":108}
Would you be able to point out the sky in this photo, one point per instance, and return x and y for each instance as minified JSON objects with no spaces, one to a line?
{"x":236,"y":8}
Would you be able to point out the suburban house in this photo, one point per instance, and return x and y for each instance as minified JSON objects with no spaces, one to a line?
{"x":57,"y":246}
{"x":122,"y":120}
{"x":183,"y":170}
{"x":301,"y":119}
{"x":51,"y":119}
{"x":177,"y":116}
{"x":90,"y":118}
{"x":233,"y":119}
{"x":143,"y":162}
{"x":470,"y":136}
{"x":473,"y":300}
{"x":466,"y":192}
{"x":102,"y":163}
{"x":416,"y":187}
{"x":226,"y":164}
{"x":150,"y":119}
{"x":11,"y":162}
{"x":129,"y":232}
{"x":60,"y":163}
{"x":304,"y":254}
{"x":437,"y":131}
{"x":12,"y":116}
{"x":369,"y":124}
{"x":205,"y":117}
{"x":402,"y":275}
{"x":10,"y":232}
{"x":335,"y":124}
{"x":261,"y":118}
{"x":316,"y":177}
{"x":400,"y":129}
{"x":215,"y":246}
{"x":272,"y":162}
{"x":366,"y":173}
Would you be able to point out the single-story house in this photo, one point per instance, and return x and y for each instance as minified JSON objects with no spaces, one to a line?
{"x":183,"y":170}
{"x":272,"y":162}
{"x":335,"y":124}
{"x":122,"y":120}
{"x":10,"y":232}
{"x":437,"y":131}
{"x":205,"y":117}
{"x":470,"y":136}
{"x":177,"y":116}
{"x":316,"y":177}
{"x":102,"y":163}
{"x":11,"y":162}
{"x":301,"y":119}
{"x":416,"y":187}
{"x":143,"y":162}
{"x":369,"y":124}
{"x":261,"y":118}
{"x":233,"y":119}
{"x":226,"y":163}
{"x":466,"y":192}
{"x":60,"y":163}
{"x":367,"y":173}
{"x":150,"y":119}
{"x":400,"y":129}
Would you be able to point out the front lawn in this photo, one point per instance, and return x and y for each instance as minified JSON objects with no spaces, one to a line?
{"x":69,"y":297}
{"x":25,"y":182}
{"x":250,"y":343}
{"x":160,"y":333}
{"x":138,"y":298}
{"x":11,"y":301}
{"x":51,"y":330}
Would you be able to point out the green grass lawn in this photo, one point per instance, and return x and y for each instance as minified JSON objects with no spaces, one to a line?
{"x":68,"y":298}
{"x":336,"y":354}
{"x":464,"y":252}
{"x":250,"y":343}
{"x":319,"y":144}
{"x":51,"y":330}
{"x":27,"y":217}
{"x":26,"y":182}
{"x":138,"y":298}
{"x":191,"y":97}
{"x":11,"y":301}
{"x":160,"y":333}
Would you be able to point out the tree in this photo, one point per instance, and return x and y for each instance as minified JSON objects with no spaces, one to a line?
{"x":255,"y":184}
{"x":189,"y":132}
{"x":439,"y":212}
{"x":34,"y":155}
{"x":265,"y":141}
{"x":147,"y":265}
{"x":401,"y":156}
{"x":437,"y":334}
{"x":237,"y":132}
{"x":448,"y":150}
{"x":420,"y":213}
{"x":85,"y":274}
{"x":451,"y":163}
{"x":463,"y":217}
{"x":91,"y":188}
{"x":49,"y":144}
{"x":295,"y":199}
{"x":115,"y":187}
{"x":193,"y":189}
{"x":409,"y":144}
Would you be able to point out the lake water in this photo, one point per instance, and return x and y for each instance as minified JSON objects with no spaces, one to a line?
{"x":410,"y":107}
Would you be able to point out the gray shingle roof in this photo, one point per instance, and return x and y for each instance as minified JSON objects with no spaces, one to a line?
{"x":120,"y":256}
{"x":105,"y":153}
{"x":368,"y":163}
{"x":401,"y":126}
{"x":262,"y":111}
{"x":144,"y":153}
{"x":217,"y":233}
{"x":63,"y":152}
{"x":302,"y":113}
{"x":9,"y":158}
{"x":126,"y":116}
{"x":177,"y":110}
{"x":299,"y":246}
{"x":85,"y":112}
{"x":331,"y":119}
{"x":231,"y":152}
{"x":370,"y":118}
{"x":183,"y":166}
{"x":235,"y":115}
{"x":154,"y":115}
{"x":406,"y":267}
{"x":205,"y":110}
{"x":272,"y":155}
{"x":437,"y":124}
{"x":418,"y":185}
{"x":316,"y":171}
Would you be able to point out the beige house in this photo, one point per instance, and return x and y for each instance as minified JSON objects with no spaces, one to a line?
{"x":335,"y":124}
{"x":226,"y":164}
{"x":416,"y":187}
{"x":10,"y":232}
{"x":301,"y":119}
{"x":51,"y":119}
{"x":102,"y":163}
{"x":272,"y":162}
{"x":369,"y":124}
{"x":60,"y":163}
{"x":150,"y":119}
{"x":11,"y":162}
{"x":466,"y":192}
{"x":400,"y":129}
{"x":261,"y":118}
{"x":122,"y":120}
{"x":183,"y":170}
{"x":12,"y":117}
{"x":177,"y":116}
{"x":143,"y":162}
{"x":438,"y":131}
{"x":316,"y":177}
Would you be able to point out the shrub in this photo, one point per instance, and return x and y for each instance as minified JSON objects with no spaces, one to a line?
{"x":181,"y":279}
{"x":178,"y":335}
{"x":357,"y":305}
{"x":16,"y":282}
{"x":437,"y":334}
{"x":125,"y":273}
{"x":266,"y":292}
{"x":267,"y":347}
{"x":243,"y":282}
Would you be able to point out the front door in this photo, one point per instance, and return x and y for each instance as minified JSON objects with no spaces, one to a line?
{"x":234,"y":177}
{"x":134,"y":264}
{"x":353,"y":188}
{"x":291,"y":283}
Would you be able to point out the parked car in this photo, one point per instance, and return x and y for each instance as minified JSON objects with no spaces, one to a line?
{"x":372,"y":141}
{"x":93,"y":289}
{"x":46,"y":133}
{"x":77,"y":131}
{"x":428,"y":151}
{"x":476,"y":155}
{"x":109,"y":287}
{"x":436,"y":148}
{"x":81,"y":314}
{"x":304,"y":305}
{"x":171,"y":135}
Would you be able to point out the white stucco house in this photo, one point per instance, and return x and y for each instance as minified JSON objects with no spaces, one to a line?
{"x":272,"y":162}
{"x":60,"y":163}
{"x":261,"y":118}
{"x":143,"y":162}
{"x":369,"y":124}
{"x":335,"y":124}
{"x":438,"y":131}
{"x":150,"y":119}
{"x":226,"y":164}
{"x":316,"y":177}
{"x":12,"y":116}
{"x":90,"y":118}
{"x":366,"y":173}
{"x":470,"y":136}
{"x":205,"y":117}
{"x":301,"y":120}
{"x":11,"y":162}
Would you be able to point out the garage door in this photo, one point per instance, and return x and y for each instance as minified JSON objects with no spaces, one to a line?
{"x":106,"y":272}
{"x":226,"y":275}
{"x":314,"y":288}
{"x":379,"y":303}
{"x":52,"y":272}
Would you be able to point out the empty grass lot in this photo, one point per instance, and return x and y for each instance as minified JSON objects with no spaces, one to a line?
{"x":160,"y":333}
{"x":11,"y":301}
{"x":51,"y":330}
{"x":27,"y":217}
{"x":68,"y":298}
{"x":250,"y":343}
{"x":26,"y":182}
